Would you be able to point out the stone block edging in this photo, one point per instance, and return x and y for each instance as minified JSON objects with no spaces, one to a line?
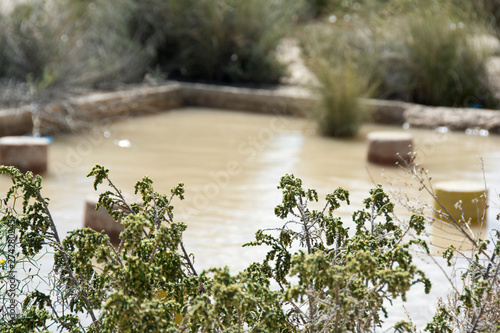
{"x":457,"y":119}
{"x":69,"y":114}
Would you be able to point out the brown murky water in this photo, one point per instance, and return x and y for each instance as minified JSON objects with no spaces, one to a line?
{"x":231,"y":163}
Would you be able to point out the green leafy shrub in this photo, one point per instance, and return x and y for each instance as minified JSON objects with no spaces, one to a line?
{"x":343,"y":280}
{"x":117,"y":288}
{"x":317,"y":276}
{"x":327,"y":280}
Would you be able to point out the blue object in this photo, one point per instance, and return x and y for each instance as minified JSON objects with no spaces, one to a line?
{"x":49,"y":138}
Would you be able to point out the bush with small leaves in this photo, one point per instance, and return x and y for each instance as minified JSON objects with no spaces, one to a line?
{"x":343,"y":280}
{"x":139,"y":286}
{"x":318,"y":276}
{"x":477,"y":307}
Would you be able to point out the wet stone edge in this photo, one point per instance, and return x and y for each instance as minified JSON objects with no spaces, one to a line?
{"x":69,"y":115}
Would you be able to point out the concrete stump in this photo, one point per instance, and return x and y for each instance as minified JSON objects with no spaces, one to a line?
{"x":471,"y":195}
{"x":25,"y":153}
{"x":100,"y":220}
{"x":387,"y":148}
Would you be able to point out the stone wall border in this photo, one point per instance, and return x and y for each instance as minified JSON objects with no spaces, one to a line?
{"x":68,"y":115}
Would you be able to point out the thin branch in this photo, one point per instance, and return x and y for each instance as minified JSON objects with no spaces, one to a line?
{"x":66,"y":259}
{"x":430,"y":191}
{"x":479,"y":315}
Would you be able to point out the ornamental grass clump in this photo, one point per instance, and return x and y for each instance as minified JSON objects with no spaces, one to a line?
{"x":100,"y":44}
{"x":338,"y":56}
{"x":317,"y":8}
{"x":54,"y":47}
{"x":28,"y":41}
{"x":427,"y":52}
{"x":428,"y":57}
{"x":233,"y":41}
{"x":487,"y":11}
{"x":340,"y":112}
{"x":218,"y":40}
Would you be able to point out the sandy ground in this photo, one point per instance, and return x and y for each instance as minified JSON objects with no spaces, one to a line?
{"x":289,"y":53}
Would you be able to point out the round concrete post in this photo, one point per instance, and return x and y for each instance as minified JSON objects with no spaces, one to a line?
{"x":387,"y":148}
{"x":464,"y":200}
{"x":100,"y":220}
{"x":25,"y":153}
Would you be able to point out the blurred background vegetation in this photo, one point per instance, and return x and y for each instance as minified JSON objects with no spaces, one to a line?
{"x":429,"y":52}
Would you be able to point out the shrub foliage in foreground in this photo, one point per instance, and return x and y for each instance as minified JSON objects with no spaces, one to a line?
{"x":316,"y":277}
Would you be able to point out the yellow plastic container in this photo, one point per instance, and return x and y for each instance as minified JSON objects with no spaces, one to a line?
{"x":465,"y":201}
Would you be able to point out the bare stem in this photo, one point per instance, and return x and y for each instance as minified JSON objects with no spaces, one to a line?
{"x":66,"y":259}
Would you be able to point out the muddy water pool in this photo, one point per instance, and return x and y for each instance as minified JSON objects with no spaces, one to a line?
{"x":231,"y":163}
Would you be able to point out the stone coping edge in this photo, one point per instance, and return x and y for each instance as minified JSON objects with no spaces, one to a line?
{"x":72,"y":114}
